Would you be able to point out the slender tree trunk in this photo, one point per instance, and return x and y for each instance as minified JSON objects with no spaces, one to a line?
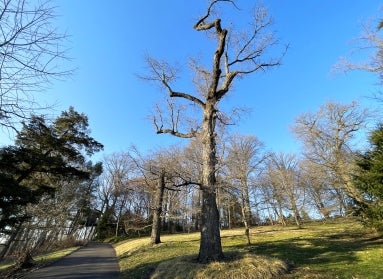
{"x":117,"y":226}
{"x":342,"y":205}
{"x":159,"y":196}
{"x":297,"y":217}
{"x":10,"y":241}
{"x":210,"y":244}
{"x":246,"y":223}
{"x":229,"y":215}
{"x":281,"y":216}
{"x":270,"y":217}
{"x":197,"y":214}
{"x":317,"y":197}
{"x":246,"y":212}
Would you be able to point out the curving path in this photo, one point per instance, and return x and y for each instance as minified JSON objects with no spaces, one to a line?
{"x":95,"y":260}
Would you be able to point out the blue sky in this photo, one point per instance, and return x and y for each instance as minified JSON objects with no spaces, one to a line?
{"x":110,"y":38}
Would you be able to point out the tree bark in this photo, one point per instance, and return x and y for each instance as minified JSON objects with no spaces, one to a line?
{"x":156,"y":226}
{"x":210,"y":244}
{"x":246,"y":217}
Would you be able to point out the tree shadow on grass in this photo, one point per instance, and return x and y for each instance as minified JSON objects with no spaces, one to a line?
{"x":142,"y":271}
{"x":312,"y":255}
{"x":335,"y":251}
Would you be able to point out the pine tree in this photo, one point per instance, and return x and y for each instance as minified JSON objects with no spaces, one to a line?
{"x":43,"y":154}
{"x":369,"y":179}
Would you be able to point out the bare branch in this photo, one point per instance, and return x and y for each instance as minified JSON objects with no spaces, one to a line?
{"x":172,"y":122}
{"x":369,"y":45}
{"x":163,"y":72}
{"x":30,"y":50}
{"x":192,"y":133}
{"x":201,"y":25}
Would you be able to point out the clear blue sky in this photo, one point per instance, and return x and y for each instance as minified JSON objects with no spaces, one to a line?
{"x":109,"y":39}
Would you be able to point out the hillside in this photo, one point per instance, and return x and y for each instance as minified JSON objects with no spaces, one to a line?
{"x":335,"y":249}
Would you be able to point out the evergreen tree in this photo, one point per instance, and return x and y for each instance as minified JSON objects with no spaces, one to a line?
{"x":44,"y":153}
{"x":369,"y":179}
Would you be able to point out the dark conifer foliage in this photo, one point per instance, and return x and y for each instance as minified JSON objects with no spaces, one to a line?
{"x":44,"y":153}
{"x":369,"y":179}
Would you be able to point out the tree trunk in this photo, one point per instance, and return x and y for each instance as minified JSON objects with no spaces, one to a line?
{"x":229,"y":215}
{"x":295,"y":210}
{"x":155,"y":237}
{"x":246,"y":211}
{"x":281,"y":216}
{"x":246,"y":221}
{"x":210,"y":244}
{"x":297,"y":217}
{"x":197,"y":214}
{"x":10,"y":241}
{"x":270,"y":217}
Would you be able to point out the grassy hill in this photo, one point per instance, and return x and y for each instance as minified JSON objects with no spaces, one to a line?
{"x":337,"y":249}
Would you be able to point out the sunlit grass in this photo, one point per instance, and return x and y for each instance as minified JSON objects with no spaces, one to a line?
{"x":4,"y":266}
{"x":138,"y":259}
{"x":55,"y":255}
{"x":40,"y":260}
{"x":337,"y":249}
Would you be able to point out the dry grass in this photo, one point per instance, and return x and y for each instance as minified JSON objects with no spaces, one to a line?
{"x":246,"y":266}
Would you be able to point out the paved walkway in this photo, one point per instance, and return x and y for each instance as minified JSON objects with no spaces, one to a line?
{"x":95,"y":260}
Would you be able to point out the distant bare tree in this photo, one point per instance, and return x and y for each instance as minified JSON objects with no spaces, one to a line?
{"x":245,"y":154}
{"x":30,"y":51}
{"x":370,"y":44}
{"x":327,"y":136}
{"x":320,"y":191}
{"x":283,"y":176}
{"x":367,"y":53}
{"x":163,"y":174}
{"x":115,"y":192}
{"x":237,"y":54}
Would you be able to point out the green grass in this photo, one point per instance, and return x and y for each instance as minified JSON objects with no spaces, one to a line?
{"x":54,"y":256}
{"x":6,"y":268}
{"x":338,"y":249}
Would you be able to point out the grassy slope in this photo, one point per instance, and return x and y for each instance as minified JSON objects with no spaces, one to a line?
{"x":339,"y":249}
{"x":6,"y":269}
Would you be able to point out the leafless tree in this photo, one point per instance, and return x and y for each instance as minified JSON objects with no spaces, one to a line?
{"x":164,"y":172}
{"x":283,"y":174}
{"x":31,"y":49}
{"x":237,"y":54}
{"x":244,"y":156}
{"x":274,"y":198}
{"x":159,"y":167}
{"x":322,"y":196}
{"x":115,"y":190}
{"x":368,"y":44}
{"x":327,"y":136}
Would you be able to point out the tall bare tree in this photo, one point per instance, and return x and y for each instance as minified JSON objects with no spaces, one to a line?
{"x":236,"y":55}
{"x":327,"y":136}
{"x":31,"y":49}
